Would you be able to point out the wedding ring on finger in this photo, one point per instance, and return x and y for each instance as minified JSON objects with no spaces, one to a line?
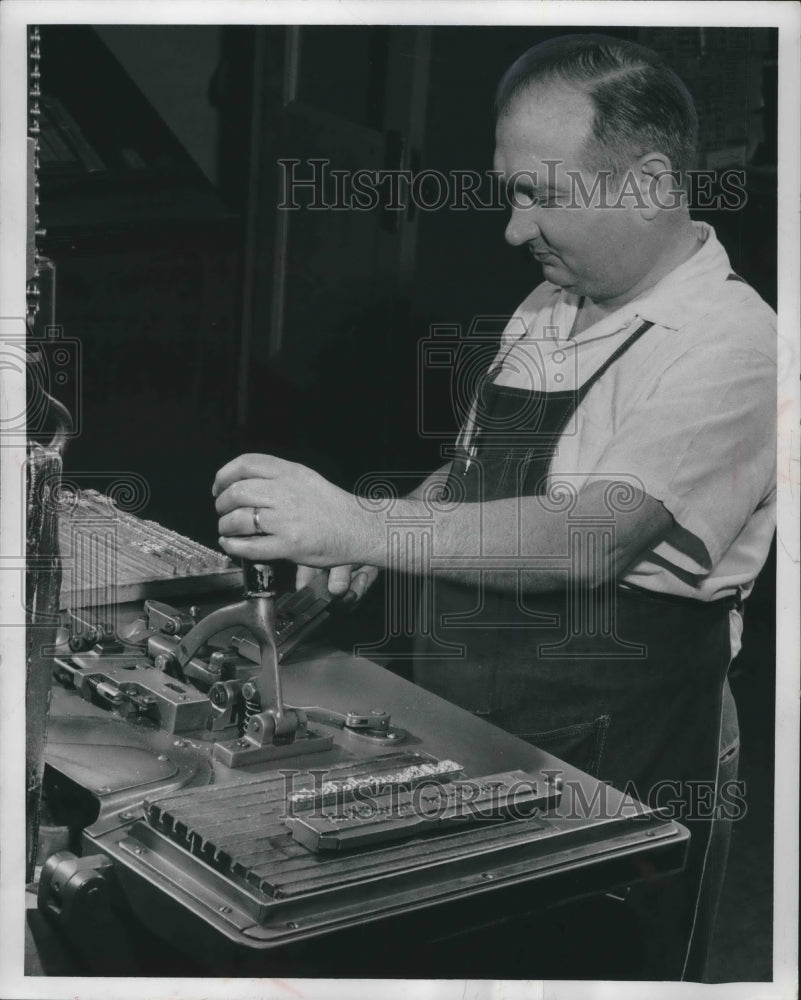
{"x":256,"y":522}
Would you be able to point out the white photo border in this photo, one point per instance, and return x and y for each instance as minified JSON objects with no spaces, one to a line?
{"x":15,"y":16}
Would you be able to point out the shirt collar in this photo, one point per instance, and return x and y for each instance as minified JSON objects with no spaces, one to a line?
{"x":685,"y":291}
{"x":682,"y":294}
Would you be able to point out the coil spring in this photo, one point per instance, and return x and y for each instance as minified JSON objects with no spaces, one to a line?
{"x":252,"y":707}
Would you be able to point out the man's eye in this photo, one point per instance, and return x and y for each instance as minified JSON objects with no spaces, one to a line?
{"x":530,"y":199}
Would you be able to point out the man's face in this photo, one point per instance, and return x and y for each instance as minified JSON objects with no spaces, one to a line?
{"x":590,"y":250}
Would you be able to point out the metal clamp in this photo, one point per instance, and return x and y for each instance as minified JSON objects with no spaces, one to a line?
{"x":373,"y":725}
{"x":271,"y":730}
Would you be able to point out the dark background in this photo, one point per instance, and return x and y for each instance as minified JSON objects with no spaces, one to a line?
{"x":160,"y":218}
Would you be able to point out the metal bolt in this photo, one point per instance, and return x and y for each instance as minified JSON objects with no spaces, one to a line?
{"x":162,"y":756}
{"x":104,"y":790}
{"x":224,"y":909}
{"x":292,"y":924}
{"x":127,"y":815}
{"x":137,"y":850}
{"x":241,"y":743}
{"x":179,"y":743}
{"x":487,"y":875}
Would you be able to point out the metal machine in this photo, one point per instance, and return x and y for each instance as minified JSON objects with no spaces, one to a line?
{"x":243,"y":795}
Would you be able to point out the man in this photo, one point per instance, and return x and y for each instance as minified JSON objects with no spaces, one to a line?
{"x":611,"y":498}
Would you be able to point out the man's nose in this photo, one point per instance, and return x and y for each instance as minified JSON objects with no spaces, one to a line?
{"x":523,"y":226}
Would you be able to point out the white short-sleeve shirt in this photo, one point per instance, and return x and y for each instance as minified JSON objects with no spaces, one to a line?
{"x":687,"y":414}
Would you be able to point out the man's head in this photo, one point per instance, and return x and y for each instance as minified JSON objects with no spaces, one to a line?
{"x":639,"y":104}
{"x":589,"y":132}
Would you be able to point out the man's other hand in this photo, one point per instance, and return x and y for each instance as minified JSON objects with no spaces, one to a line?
{"x":341,"y":579}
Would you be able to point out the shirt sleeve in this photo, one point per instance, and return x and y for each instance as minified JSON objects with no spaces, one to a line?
{"x":703,"y":442}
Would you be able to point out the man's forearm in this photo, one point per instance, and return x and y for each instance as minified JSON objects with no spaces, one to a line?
{"x":432,"y":482}
{"x":503,"y":538}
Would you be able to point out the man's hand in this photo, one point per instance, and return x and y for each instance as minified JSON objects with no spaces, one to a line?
{"x":341,"y":579}
{"x":302,"y":516}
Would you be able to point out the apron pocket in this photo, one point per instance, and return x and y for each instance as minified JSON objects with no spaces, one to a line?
{"x":581,"y":744}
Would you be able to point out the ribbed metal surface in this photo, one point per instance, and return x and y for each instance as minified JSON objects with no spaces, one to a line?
{"x":113,"y":556}
{"x":239,"y":830}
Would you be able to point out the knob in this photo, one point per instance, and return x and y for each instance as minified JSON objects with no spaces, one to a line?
{"x":259,"y":579}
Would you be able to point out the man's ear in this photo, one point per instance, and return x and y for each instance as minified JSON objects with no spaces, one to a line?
{"x":658,"y":185}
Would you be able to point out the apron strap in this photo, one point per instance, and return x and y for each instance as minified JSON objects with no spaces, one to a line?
{"x":613,"y":357}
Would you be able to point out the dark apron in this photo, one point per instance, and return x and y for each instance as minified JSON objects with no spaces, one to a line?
{"x":625,"y":684}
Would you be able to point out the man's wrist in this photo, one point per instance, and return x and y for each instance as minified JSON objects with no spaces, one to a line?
{"x":374,"y":542}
